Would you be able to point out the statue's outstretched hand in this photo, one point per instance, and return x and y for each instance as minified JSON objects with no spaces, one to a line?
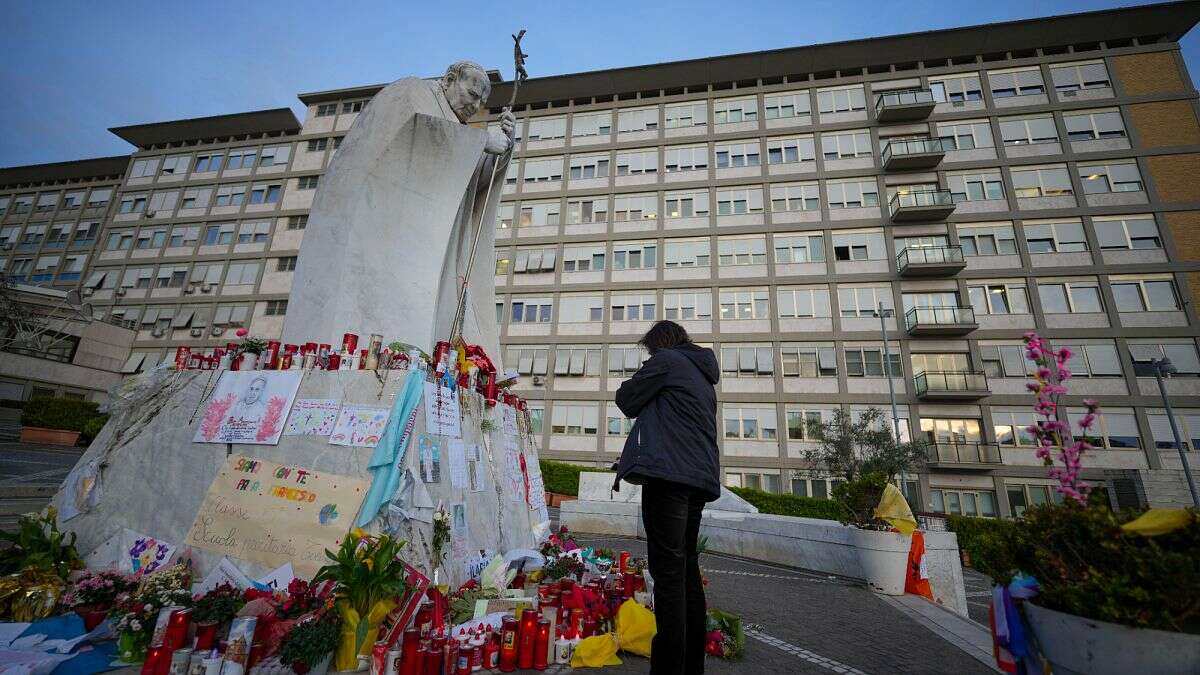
{"x":501,"y":141}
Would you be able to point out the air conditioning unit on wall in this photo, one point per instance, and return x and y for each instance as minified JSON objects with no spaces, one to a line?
{"x":539,"y":380}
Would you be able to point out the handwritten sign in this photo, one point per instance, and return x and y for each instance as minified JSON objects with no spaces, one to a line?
{"x":509,"y":422}
{"x":312,"y":417}
{"x":271,"y":513}
{"x":429,"y":458}
{"x":143,"y":554}
{"x":457,"y":460}
{"x":442,"y":414}
{"x":359,"y":427}
{"x":248,"y":407}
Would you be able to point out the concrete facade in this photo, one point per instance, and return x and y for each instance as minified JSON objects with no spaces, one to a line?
{"x":769,"y":203}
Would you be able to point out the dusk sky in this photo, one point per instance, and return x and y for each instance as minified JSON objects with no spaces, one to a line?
{"x":74,"y":69}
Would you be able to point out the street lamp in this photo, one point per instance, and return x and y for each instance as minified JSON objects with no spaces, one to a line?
{"x":1162,"y":367}
{"x":887,"y":371}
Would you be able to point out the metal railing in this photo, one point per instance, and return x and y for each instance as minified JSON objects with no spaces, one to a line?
{"x":938,"y":316}
{"x":963,"y":453}
{"x":932,"y":255}
{"x":920,"y":198}
{"x":903,"y":97}
{"x":949,"y":381}
{"x":900,"y":147}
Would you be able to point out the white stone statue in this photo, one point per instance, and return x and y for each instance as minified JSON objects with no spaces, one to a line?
{"x":392,"y":221}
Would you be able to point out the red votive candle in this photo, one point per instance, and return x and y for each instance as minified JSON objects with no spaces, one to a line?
{"x":508,"y":644}
{"x":206,"y":635}
{"x":409,"y":663}
{"x":335,"y":362}
{"x":541,"y":646}
{"x":526,"y":638}
{"x":349,"y":343}
{"x":153,"y":656}
{"x":273,"y":354}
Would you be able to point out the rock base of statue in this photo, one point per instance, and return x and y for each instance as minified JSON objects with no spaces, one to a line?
{"x":144,"y":473}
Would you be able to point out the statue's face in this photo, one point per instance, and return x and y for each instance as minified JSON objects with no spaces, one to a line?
{"x":467,"y":94}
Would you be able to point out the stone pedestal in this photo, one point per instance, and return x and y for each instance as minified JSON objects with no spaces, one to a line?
{"x":154,"y":477}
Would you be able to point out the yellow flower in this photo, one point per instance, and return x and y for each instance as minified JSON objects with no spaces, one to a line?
{"x":358,"y":533}
{"x":370,"y":564}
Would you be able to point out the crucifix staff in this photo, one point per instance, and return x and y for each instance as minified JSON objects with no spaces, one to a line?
{"x":519,"y":76}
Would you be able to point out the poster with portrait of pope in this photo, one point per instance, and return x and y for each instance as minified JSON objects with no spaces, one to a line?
{"x":248,"y":407}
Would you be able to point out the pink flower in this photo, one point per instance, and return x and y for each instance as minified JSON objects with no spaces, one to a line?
{"x":241,"y":332}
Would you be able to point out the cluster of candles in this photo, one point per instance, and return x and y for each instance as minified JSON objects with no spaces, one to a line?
{"x":480,"y":374}
{"x":529,"y":639}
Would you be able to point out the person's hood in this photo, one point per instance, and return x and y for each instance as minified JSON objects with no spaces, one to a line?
{"x":704,"y":359}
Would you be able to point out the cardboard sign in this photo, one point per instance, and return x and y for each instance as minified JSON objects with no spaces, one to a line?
{"x":312,"y":417}
{"x":442,"y":414}
{"x":359,"y":426}
{"x":271,"y":513}
{"x":248,"y":407}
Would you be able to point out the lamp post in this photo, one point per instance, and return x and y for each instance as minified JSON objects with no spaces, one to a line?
{"x":1164,"y":366}
{"x":887,"y":371}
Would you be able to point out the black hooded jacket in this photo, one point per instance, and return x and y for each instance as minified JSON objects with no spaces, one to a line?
{"x":674,"y":399}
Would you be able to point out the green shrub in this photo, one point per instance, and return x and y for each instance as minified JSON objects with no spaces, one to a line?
{"x":562,"y":478}
{"x":791,"y":505}
{"x":1086,"y":565}
{"x":859,"y":497}
{"x":972,"y":531}
{"x":92,"y":427}
{"x":58,"y":413}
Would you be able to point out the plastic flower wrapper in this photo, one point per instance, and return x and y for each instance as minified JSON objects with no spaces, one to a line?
{"x":634,"y":631}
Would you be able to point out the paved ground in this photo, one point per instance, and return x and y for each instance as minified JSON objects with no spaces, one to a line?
{"x":29,"y":474}
{"x":979,"y":595}
{"x":796,"y":622}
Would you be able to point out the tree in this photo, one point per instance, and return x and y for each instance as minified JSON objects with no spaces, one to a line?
{"x":850,"y":448}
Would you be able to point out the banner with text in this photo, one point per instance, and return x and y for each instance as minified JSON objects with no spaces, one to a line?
{"x":271,"y":514}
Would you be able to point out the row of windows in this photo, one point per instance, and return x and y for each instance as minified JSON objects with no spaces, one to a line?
{"x":208,"y":320}
{"x":211,"y":161}
{"x":1074,"y":295}
{"x":978,"y":185}
{"x":205,"y":275}
{"x":162,"y":203}
{"x":1082,"y":125}
{"x":1067,"y":79}
{"x":1000,"y":359}
{"x":1067,"y":235}
{"x":58,"y":199}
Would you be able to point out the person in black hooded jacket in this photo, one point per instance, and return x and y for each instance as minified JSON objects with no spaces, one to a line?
{"x":672,"y":453}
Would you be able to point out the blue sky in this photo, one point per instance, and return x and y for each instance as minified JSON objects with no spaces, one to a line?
{"x":74,"y":69}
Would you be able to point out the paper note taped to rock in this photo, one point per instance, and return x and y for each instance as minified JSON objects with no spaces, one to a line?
{"x":271,"y":514}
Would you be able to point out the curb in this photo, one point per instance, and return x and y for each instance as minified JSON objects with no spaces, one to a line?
{"x":27,"y":491}
{"x":972,"y":638}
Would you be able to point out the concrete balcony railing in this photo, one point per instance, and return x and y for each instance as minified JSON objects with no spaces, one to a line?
{"x":905,"y":154}
{"x":933,"y":261}
{"x":940,"y":321}
{"x":950,"y":385}
{"x":920,"y":205}
{"x":904,"y":105}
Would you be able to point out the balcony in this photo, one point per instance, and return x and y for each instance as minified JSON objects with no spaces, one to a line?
{"x":933,"y":261}
{"x":950,"y":386}
{"x":981,"y":456}
{"x":904,"y":106}
{"x":905,"y":154}
{"x":920,"y":321}
{"x":920,"y":205}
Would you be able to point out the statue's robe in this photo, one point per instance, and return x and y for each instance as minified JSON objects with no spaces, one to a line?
{"x":390,"y":229}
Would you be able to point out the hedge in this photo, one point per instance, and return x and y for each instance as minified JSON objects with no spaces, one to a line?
{"x":58,"y":413}
{"x":562,"y":478}
{"x":971,"y":531}
{"x":91,"y":428}
{"x":791,"y":505}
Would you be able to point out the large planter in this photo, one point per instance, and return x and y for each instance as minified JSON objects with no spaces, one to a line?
{"x":1075,"y":645}
{"x":41,"y":436}
{"x":883,"y":557}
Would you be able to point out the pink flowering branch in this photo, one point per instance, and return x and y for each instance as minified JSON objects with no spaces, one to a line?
{"x":1053,"y":436}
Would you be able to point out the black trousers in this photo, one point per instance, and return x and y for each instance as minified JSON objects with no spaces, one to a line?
{"x":671,"y":514}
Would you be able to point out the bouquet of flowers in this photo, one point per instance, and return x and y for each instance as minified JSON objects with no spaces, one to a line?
{"x":370,"y":576}
{"x":135,"y":613}
{"x":97,"y":589}
{"x":725,"y":636}
{"x":441,"y":535}
{"x":311,"y":641}
{"x":218,"y":605}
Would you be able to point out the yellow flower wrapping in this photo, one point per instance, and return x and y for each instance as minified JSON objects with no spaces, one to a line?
{"x":635,"y":629}
{"x":346,"y":655}
{"x":30,"y":594}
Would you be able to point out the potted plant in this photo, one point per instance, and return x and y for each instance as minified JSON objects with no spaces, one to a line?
{"x":92,"y":594}
{"x":55,"y":421}
{"x":249,"y":351}
{"x":136,"y":613}
{"x":309,"y":647}
{"x":1107,"y":592}
{"x":213,"y":609}
{"x":866,"y":456}
{"x":369,"y":576}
